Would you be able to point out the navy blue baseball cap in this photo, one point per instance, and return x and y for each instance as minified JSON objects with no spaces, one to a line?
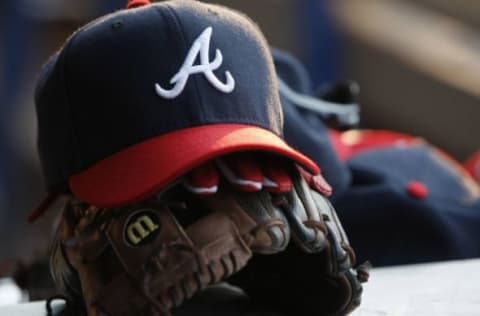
{"x":135,"y":99}
{"x":410,"y":202}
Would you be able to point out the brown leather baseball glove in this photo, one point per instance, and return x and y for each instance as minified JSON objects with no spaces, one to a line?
{"x":148,"y":258}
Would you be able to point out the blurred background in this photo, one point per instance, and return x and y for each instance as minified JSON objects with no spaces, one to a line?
{"x":417,"y":63}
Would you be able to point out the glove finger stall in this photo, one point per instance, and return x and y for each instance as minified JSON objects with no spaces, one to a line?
{"x":267,"y":229}
{"x":307,"y":225}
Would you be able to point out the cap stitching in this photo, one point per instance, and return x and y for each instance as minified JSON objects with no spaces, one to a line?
{"x":60,"y":179}
{"x":74,"y":158}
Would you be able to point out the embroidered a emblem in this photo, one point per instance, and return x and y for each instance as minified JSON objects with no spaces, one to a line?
{"x":201,"y":46}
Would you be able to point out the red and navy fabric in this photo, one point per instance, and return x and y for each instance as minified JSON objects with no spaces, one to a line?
{"x":400,"y":199}
{"x":410,"y":204}
{"x":473,"y":165}
{"x":137,"y":98}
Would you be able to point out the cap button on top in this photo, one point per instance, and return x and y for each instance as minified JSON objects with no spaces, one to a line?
{"x":137,"y":3}
{"x":417,"y":189}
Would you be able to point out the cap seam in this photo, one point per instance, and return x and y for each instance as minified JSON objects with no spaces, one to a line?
{"x":75,"y":160}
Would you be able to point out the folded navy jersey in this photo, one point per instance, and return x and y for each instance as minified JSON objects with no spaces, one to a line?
{"x":400,"y":199}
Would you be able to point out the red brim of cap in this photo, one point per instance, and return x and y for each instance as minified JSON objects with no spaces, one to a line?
{"x":139,"y":171}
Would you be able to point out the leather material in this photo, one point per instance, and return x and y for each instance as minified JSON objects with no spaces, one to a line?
{"x":315,"y":275}
{"x":173,"y":261}
{"x":287,"y":251}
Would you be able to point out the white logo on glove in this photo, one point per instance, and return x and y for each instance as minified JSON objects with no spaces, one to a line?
{"x":200,"y":45}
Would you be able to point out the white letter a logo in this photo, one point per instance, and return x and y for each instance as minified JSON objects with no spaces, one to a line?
{"x":200,"y":45}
